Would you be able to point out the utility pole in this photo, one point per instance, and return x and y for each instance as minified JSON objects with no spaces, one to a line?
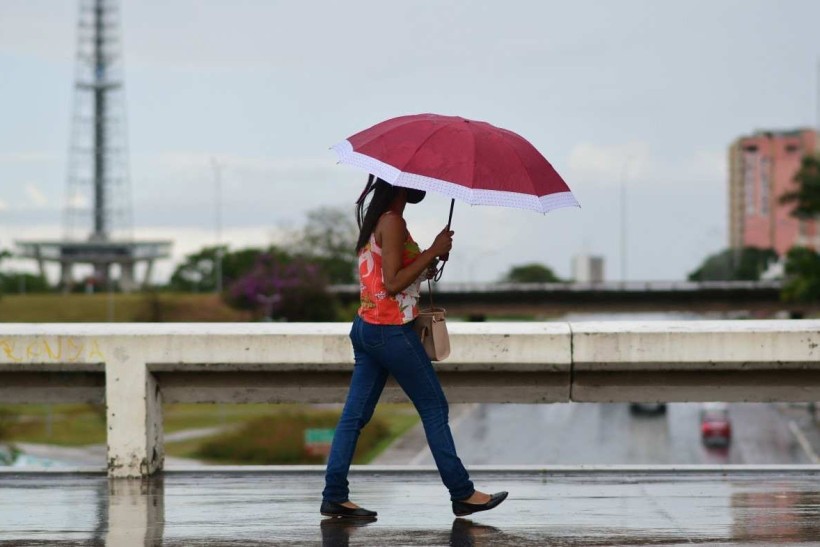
{"x":623,"y":222}
{"x":218,"y":223}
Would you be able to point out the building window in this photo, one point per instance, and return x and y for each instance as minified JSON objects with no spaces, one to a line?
{"x":749,"y":164}
{"x":792,"y":148}
{"x":765,"y":169}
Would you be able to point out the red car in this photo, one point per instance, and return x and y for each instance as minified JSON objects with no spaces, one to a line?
{"x":715,"y":427}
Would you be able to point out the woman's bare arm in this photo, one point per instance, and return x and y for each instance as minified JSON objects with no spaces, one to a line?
{"x":393,"y":232}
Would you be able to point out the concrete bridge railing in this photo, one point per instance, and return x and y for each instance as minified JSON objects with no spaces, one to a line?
{"x":134,"y":368}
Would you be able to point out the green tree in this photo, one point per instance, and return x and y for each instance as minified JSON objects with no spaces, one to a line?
{"x":748,"y":264}
{"x":197,"y":273}
{"x":329,"y":240}
{"x":802,"y":276}
{"x":238,"y":263}
{"x":22,"y":282}
{"x":531,"y":273}
{"x":293,"y":290}
{"x":19,"y":282}
{"x":803,"y":265}
{"x":806,"y":197}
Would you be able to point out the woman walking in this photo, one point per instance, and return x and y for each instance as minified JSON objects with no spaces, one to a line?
{"x":391,"y":268}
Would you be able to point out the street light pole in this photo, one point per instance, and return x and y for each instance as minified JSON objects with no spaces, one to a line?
{"x":623,"y":221}
{"x":218,"y":224}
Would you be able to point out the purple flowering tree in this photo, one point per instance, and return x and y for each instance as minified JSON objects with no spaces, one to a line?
{"x":293,"y":290}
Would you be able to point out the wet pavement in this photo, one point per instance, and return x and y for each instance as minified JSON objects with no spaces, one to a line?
{"x":559,"y":506}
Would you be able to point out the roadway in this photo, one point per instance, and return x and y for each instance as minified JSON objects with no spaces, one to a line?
{"x":605,"y":434}
{"x":758,"y":298}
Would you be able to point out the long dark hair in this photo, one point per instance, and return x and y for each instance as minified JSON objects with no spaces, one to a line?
{"x":368,"y":216}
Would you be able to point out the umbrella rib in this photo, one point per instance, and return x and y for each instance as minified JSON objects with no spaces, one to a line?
{"x":472,"y":169}
{"x":529,"y":178}
{"x":422,"y":143}
{"x":400,"y":124}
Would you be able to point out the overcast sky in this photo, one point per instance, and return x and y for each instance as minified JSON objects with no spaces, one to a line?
{"x":649,"y":93}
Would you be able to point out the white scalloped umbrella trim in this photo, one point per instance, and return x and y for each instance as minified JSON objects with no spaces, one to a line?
{"x":394,"y":176}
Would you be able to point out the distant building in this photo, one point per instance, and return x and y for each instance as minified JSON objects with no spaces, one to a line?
{"x":588,"y":269}
{"x":761,"y":169}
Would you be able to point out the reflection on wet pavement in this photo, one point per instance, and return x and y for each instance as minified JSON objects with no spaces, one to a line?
{"x":212,"y":507}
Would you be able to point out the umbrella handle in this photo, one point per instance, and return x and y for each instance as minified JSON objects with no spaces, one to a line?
{"x":445,"y":257}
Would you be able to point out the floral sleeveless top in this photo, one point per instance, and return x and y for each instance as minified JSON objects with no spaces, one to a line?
{"x":377,"y":306}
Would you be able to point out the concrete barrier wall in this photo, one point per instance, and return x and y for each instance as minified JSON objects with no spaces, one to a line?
{"x":755,"y":361}
{"x":134,"y":368}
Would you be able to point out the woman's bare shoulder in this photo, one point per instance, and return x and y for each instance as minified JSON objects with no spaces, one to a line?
{"x":392,"y":220}
{"x":392,"y":224}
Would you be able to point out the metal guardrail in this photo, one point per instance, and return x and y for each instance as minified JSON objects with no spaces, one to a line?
{"x":608,"y":286}
{"x":136,"y":367}
{"x":481,"y":300}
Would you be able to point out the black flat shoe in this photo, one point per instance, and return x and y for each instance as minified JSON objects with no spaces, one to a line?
{"x":462,"y":508}
{"x":332,"y":509}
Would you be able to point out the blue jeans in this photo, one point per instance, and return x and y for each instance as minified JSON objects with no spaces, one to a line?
{"x":382,"y":350}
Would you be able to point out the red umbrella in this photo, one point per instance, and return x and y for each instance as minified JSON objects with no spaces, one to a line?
{"x":465,"y":159}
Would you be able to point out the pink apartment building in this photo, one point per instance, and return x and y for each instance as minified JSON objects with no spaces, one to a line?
{"x":761,"y":169}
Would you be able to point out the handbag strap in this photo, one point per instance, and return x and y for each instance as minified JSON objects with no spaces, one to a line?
{"x":430,"y":292}
{"x":440,"y":271}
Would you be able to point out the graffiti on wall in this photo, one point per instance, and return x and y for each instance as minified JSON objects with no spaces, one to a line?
{"x":60,"y":349}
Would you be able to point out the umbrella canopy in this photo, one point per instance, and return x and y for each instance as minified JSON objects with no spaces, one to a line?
{"x":463,"y":159}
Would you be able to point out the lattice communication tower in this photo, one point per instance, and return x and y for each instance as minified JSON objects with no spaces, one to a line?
{"x":97,"y":219}
{"x":98,"y":198}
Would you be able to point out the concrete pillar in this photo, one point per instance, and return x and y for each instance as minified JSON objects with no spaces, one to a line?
{"x":127,"y":283}
{"x":66,"y":275}
{"x":101,"y":272}
{"x":134,"y":408}
{"x":38,"y":256}
{"x":148,"y":272}
{"x":136,"y":513}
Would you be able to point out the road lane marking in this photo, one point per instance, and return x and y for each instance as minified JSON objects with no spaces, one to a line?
{"x":803,"y":442}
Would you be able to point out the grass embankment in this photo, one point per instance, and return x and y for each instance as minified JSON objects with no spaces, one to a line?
{"x":279,"y":439}
{"x":264,"y":434}
{"x":133,"y":307}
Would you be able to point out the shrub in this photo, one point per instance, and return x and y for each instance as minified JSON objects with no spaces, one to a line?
{"x":279,"y":439}
{"x":531,"y":273}
{"x":22,"y":283}
{"x":293,"y":291}
{"x":7,"y":418}
{"x":746,"y":264}
{"x":802,"y":276}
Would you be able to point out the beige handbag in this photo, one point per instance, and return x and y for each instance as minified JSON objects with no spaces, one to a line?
{"x":431,"y":327}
